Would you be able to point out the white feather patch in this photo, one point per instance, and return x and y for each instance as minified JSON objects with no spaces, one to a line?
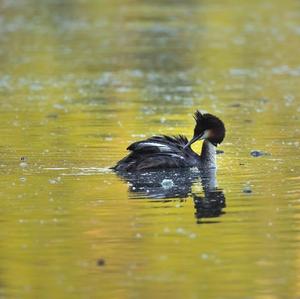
{"x":162,"y":147}
{"x":177,"y":156}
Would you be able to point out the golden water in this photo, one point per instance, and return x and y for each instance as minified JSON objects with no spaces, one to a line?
{"x":80,"y":80}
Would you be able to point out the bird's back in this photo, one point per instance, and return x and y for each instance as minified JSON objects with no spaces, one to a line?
{"x":158,"y":152}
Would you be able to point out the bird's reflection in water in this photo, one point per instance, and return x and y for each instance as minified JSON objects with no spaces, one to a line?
{"x":165,"y":185}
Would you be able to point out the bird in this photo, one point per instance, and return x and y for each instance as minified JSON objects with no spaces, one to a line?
{"x":167,"y":152}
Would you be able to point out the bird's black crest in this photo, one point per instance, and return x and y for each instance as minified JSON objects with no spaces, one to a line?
{"x":198,"y":116}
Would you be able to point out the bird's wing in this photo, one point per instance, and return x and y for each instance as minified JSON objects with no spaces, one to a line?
{"x":160,"y":144}
{"x":160,"y":160}
{"x":156,"y":152}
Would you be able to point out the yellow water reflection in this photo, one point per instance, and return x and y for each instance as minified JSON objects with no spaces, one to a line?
{"x":80,"y":80}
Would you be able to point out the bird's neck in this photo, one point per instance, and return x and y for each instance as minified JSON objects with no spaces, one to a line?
{"x":208,"y":155}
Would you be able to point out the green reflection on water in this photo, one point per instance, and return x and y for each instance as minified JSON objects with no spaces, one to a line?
{"x":81,"y":80}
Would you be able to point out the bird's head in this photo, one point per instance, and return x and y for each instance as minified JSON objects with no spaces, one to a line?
{"x":208,"y":127}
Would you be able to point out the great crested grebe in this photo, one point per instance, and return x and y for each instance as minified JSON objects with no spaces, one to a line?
{"x":161,"y":152}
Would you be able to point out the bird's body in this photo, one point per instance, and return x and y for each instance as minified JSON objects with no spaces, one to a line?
{"x":161,"y":152}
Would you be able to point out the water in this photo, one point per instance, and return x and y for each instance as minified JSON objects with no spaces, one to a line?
{"x":79,"y":81}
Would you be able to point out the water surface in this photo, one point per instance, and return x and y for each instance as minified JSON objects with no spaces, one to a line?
{"x":80,"y":80}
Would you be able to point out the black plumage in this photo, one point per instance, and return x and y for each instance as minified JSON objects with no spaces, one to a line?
{"x":159,"y":152}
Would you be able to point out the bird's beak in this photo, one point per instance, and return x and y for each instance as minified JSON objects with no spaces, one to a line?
{"x":202,"y":136}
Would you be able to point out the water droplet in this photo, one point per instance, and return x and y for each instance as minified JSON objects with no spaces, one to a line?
{"x":247,"y":189}
{"x":204,"y":256}
{"x":167,"y":183}
{"x":258,"y":153}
